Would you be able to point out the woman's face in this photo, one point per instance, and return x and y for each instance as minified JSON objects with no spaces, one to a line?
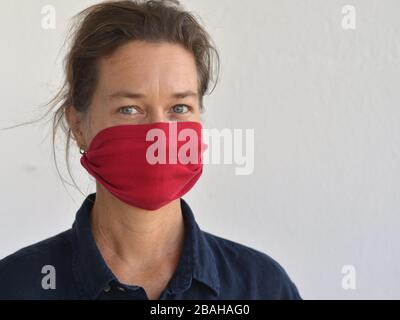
{"x":141,"y":83}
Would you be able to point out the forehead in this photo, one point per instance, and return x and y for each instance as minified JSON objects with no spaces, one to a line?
{"x":145,"y":65}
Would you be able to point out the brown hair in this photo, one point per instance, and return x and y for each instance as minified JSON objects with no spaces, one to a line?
{"x":101,"y":29}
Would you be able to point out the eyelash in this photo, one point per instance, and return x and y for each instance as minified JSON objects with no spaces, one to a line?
{"x":188,"y":107}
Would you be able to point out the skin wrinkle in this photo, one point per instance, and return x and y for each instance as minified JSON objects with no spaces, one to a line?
{"x":104,"y":237}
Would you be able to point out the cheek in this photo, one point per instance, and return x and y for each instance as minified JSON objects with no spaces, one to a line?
{"x":194,"y":116}
{"x":98,"y":120}
{"x":93,"y":129}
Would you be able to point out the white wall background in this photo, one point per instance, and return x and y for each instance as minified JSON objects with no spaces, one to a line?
{"x":324,"y":103}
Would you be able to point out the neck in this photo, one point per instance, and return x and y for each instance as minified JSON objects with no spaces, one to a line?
{"x":135,"y":236}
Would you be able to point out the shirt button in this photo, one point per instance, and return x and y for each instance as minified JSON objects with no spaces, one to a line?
{"x":107,"y":288}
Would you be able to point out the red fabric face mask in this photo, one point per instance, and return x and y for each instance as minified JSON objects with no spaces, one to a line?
{"x":147,"y":165}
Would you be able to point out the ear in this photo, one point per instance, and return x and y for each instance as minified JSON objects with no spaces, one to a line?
{"x":75,"y":124}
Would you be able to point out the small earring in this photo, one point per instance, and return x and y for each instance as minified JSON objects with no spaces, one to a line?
{"x":81,"y":151}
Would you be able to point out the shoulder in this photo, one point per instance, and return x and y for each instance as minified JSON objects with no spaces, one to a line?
{"x":260,"y":273}
{"x":22,"y":272}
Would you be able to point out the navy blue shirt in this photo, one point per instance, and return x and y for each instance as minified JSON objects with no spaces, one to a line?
{"x":70,"y":266}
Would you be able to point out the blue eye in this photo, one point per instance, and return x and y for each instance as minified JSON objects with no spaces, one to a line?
{"x":125,"y":110}
{"x":180,"y":108}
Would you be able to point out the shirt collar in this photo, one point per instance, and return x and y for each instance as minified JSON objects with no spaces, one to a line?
{"x":197,"y":260}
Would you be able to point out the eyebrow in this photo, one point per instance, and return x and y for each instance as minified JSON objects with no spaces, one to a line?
{"x":134,"y":95}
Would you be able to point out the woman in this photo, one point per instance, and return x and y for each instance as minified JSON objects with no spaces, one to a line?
{"x":135,"y":74}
